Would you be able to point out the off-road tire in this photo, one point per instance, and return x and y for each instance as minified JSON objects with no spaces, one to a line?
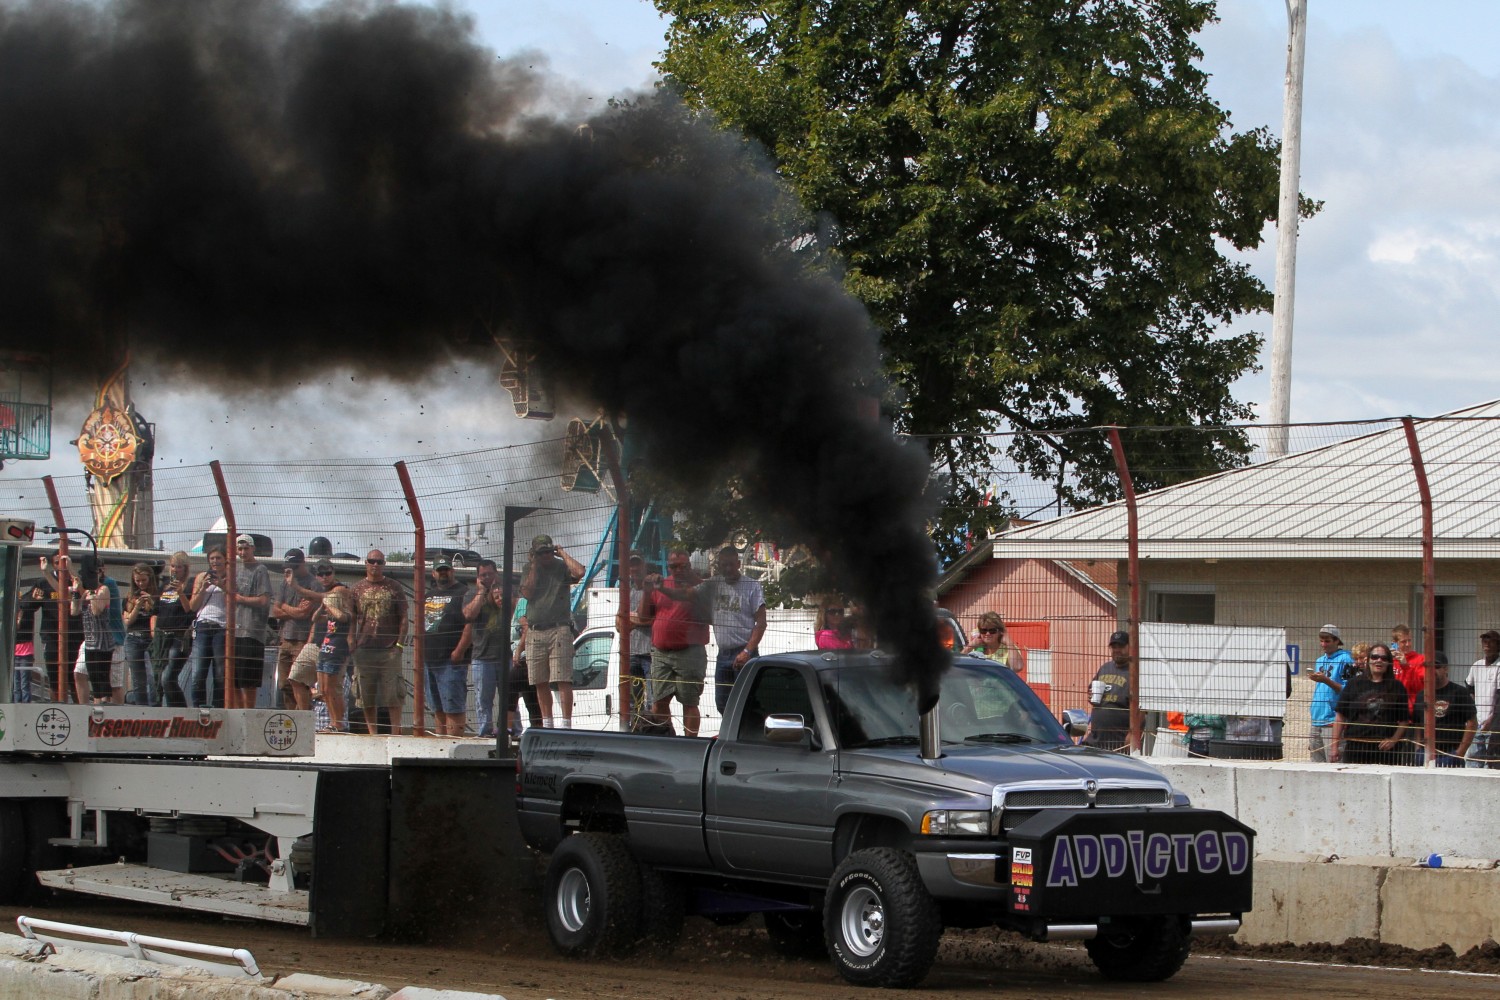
{"x":797,"y":933}
{"x":881,"y":924}
{"x":663,"y":908}
{"x":1141,"y":949}
{"x":593,"y":896}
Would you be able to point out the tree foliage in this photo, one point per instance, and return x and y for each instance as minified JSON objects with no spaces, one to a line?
{"x":1032,"y":197}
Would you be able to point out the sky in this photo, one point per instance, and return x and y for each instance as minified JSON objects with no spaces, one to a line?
{"x":1396,"y":276}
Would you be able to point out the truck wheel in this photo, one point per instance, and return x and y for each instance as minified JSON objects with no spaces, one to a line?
{"x":593,"y":894}
{"x":1141,"y":949}
{"x":881,"y":924}
{"x":663,"y":908}
{"x":796,"y":933}
{"x":13,"y":873}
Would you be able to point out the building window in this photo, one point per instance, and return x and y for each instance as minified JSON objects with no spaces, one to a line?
{"x":1182,"y":605}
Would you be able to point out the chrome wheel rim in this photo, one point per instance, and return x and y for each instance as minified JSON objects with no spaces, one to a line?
{"x":574,"y":900}
{"x":862,"y":920}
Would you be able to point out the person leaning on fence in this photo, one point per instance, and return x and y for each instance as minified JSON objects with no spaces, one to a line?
{"x":1453,"y":714}
{"x":1371,"y":716}
{"x":1334,"y":669}
{"x":1110,"y":696}
{"x":1484,"y":678}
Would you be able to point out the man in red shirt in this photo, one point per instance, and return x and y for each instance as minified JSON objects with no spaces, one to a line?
{"x":1411,"y":666}
{"x":677,"y":608}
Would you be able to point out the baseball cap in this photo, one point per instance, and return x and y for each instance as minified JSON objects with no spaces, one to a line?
{"x":1332,"y":630}
{"x":1491,"y":634}
{"x":541,"y":542}
{"x":442,"y":562}
{"x":244,"y":540}
{"x":294,"y":557}
{"x":1121,"y":638}
{"x":323,"y":566}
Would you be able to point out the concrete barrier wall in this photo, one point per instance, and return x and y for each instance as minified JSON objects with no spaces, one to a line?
{"x":1364,"y":811}
{"x":1338,"y":849}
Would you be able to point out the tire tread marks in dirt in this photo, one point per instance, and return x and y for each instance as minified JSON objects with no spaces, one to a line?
{"x":880,"y":889}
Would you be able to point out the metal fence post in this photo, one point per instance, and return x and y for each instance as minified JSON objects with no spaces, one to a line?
{"x":418,"y":599}
{"x":1429,"y":593}
{"x":1134,"y":570}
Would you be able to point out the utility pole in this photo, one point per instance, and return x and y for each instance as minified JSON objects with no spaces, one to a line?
{"x":1280,"y":409}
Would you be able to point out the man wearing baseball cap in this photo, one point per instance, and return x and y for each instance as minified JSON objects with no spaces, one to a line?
{"x":1109,"y":694}
{"x":550,"y":575}
{"x":1330,"y":673}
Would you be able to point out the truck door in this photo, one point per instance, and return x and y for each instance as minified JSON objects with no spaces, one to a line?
{"x":767,"y":803}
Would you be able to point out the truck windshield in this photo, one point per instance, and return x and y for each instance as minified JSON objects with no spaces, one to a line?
{"x":979,"y":703}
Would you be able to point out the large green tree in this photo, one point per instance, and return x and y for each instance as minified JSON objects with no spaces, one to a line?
{"x":1033,"y":197}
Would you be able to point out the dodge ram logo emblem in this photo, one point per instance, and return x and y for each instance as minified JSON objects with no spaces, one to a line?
{"x":1091,"y":789}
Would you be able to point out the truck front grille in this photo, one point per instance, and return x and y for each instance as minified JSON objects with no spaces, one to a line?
{"x":1015,"y":805}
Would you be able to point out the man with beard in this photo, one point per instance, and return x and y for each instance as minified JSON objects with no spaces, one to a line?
{"x":1453,"y":712}
{"x":1109,"y":722}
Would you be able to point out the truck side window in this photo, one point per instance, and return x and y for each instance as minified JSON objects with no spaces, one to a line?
{"x":775,"y":691}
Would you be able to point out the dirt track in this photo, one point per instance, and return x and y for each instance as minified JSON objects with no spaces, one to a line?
{"x":738,"y":963}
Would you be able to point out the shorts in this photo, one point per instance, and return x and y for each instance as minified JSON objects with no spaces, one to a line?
{"x":448,"y":687}
{"x":332,"y":663}
{"x":286,"y":656}
{"x":549,"y":655}
{"x":678,"y":672}
{"x":249,"y":662}
{"x":304,"y":669}
{"x":116,"y":666}
{"x":377,"y":677}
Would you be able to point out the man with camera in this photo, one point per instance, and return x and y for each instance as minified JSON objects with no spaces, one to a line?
{"x":547,"y":585}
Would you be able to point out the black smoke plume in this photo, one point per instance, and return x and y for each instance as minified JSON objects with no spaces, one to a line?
{"x":247,"y":188}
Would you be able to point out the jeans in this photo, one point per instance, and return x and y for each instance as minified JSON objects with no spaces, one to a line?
{"x":20,"y":680}
{"x":207,"y":668}
{"x":486,"y":676}
{"x":143,"y":690}
{"x":171,"y":675}
{"x":724,"y":674}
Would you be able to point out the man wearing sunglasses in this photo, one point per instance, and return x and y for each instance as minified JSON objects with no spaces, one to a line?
{"x":379,"y":633}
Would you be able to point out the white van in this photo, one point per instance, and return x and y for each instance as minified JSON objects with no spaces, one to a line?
{"x":596,"y":661}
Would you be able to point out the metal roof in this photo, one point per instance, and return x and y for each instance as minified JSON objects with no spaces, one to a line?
{"x":1355,"y":499}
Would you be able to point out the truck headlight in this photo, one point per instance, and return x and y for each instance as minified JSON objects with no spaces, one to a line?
{"x":956,"y":823}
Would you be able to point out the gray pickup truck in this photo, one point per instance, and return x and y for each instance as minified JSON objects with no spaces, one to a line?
{"x":860,"y":829}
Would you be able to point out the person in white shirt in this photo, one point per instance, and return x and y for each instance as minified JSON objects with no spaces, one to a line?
{"x":1484,"y":677}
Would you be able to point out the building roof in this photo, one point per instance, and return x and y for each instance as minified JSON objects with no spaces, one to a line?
{"x":1358,"y":498}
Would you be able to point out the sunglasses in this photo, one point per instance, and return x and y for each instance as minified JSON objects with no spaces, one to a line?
{"x":1375,"y":657}
{"x":375,"y":562}
{"x":989,"y":631}
{"x":325,"y":572}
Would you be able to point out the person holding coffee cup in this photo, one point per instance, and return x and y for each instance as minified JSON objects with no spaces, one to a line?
{"x":1109,"y":696}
